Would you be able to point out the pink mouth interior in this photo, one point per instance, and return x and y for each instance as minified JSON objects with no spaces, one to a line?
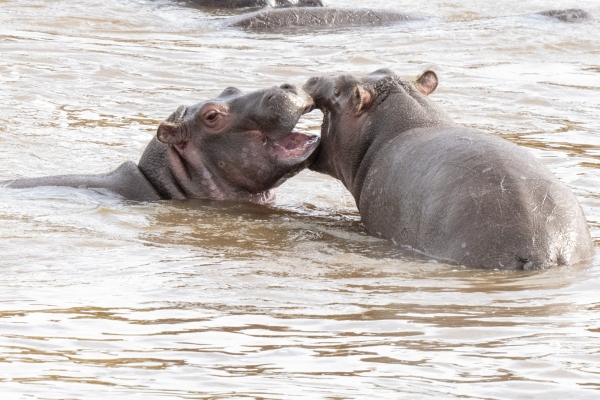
{"x":296,"y":143}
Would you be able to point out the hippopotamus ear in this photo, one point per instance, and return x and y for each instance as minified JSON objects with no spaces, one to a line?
{"x":171,"y":133}
{"x":230,"y":91}
{"x":362,"y":99}
{"x":427,"y":82}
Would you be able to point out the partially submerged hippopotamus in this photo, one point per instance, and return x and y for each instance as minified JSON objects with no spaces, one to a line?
{"x":317,"y":17}
{"x":452,"y":193}
{"x":234,"y":147}
{"x":255,"y":3}
{"x":569,"y":15}
{"x":340,"y":17}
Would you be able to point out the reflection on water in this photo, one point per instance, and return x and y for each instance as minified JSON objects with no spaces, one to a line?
{"x":195,"y":299}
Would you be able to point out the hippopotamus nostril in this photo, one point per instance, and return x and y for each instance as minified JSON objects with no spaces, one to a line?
{"x":271,"y":100}
{"x":178,"y":115}
{"x":311,"y":86}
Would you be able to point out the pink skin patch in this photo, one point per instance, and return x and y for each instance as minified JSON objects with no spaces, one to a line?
{"x":295,"y":144}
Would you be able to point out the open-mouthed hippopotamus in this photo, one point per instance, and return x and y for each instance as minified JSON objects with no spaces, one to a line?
{"x":317,"y":17}
{"x":255,"y":3}
{"x":234,"y":147}
{"x":449,"y":192}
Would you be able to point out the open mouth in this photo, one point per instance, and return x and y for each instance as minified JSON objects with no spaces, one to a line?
{"x":296,"y":145}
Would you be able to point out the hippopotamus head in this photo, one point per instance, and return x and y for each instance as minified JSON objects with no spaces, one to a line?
{"x":355,"y":111}
{"x":234,"y":147}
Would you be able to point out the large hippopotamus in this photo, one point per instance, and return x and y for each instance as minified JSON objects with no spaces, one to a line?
{"x":255,"y":3}
{"x":234,"y":147}
{"x":340,"y":17}
{"x":317,"y":17}
{"x":451,"y":193}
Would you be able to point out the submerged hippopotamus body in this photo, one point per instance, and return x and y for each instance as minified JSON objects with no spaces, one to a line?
{"x":234,"y":147}
{"x":452,"y":193}
{"x":569,"y":15}
{"x":340,"y":17}
{"x":255,"y":3}
{"x":317,"y":17}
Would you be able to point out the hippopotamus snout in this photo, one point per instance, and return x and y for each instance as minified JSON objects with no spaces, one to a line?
{"x":326,"y":91}
{"x":282,"y":106}
{"x":318,"y":89}
{"x":288,"y":95}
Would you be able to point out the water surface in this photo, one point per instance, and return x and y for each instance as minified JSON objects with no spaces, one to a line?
{"x":102,"y":297}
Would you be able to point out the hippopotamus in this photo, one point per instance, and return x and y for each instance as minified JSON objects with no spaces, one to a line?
{"x":256,"y":3}
{"x":451,"y":193}
{"x":317,"y":17}
{"x":234,"y":147}
{"x":339,"y":17}
{"x":569,"y":15}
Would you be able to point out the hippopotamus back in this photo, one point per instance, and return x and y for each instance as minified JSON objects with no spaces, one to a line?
{"x":318,"y":17}
{"x":255,"y":3}
{"x":472,"y":198}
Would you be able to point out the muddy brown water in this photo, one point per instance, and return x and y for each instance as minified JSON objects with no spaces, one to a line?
{"x":101,"y":297}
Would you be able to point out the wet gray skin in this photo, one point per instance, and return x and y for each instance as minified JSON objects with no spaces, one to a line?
{"x":234,"y":147}
{"x":255,"y":3}
{"x":339,"y":17}
{"x":452,"y":193}
{"x":569,"y":15}
{"x":317,"y":17}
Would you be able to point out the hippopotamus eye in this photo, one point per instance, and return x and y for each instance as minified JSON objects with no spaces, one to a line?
{"x":211,"y":117}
